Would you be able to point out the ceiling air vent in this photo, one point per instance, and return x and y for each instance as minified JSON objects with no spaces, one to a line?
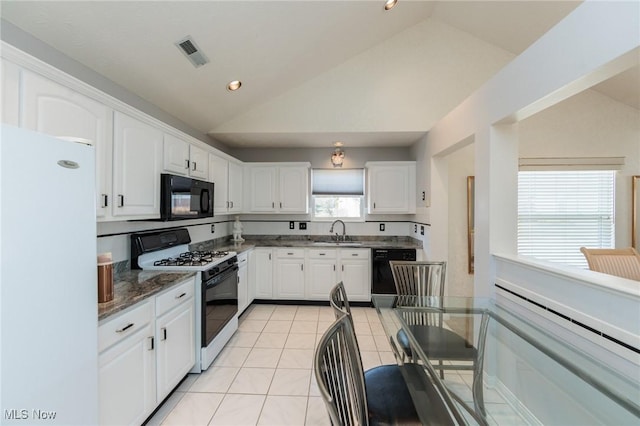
{"x":191,"y":51}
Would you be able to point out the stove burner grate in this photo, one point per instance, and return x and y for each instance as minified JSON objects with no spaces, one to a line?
{"x":191,"y":258}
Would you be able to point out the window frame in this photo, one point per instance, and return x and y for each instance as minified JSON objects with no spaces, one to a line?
{"x":552,"y":212}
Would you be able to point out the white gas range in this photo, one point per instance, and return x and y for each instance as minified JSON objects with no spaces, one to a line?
{"x":216,"y":307}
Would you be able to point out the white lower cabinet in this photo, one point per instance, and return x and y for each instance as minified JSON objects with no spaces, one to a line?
{"x":175,"y":333}
{"x":127,"y":369}
{"x":144,"y":353}
{"x":289,"y":280}
{"x":355,"y":273}
{"x":261,"y":272}
{"x":309,"y":274}
{"x":244,"y":295}
{"x":322,"y":273}
{"x":327,"y":267}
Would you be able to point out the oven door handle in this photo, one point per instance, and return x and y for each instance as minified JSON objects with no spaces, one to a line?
{"x":214,"y":281}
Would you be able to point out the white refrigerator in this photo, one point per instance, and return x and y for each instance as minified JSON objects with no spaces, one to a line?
{"x":48,"y":291}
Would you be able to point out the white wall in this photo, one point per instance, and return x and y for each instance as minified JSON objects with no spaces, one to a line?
{"x":593,"y":43}
{"x":461,"y":165}
{"x":590,"y":124}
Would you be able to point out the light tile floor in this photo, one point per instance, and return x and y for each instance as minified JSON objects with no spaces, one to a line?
{"x":264,"y":375}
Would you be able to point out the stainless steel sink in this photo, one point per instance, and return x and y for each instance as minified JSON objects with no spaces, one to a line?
{"x":337,"y":243}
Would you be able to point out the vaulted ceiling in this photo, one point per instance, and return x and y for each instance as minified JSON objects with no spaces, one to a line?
{"x":312,"y":72}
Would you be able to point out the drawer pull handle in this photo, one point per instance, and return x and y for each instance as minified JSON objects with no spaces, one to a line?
{"x":152,"y":341}
{"x":289,"y":254}
{"x":164,"y":333}
{"x":322,"y":254}
{"x":125,"y":328}
{"x":354,"y":254}
{"x":181,"y":296}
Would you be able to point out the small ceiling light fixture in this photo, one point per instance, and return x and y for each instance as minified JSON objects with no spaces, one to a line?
{"x":337,"y":156}
{"x":234,"y":85}
{"x":389,"y":4}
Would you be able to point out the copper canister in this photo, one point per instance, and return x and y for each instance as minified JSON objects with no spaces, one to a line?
{"x":105,"y":278}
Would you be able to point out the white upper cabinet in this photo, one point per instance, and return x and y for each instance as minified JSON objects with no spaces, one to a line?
{"x":236,"y":173}
{"x":391,"y":187}
{"x":50,"y":108}
{"x":137,"y":162}
{"x":277,"y":188}
{"x":227,"y":177}
{"x":183,"y":158}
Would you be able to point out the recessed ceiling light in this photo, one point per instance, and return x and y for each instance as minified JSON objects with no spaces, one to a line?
{"x":389,"y":4}
{"x":234,"y":85}
{"x":338,"y":144}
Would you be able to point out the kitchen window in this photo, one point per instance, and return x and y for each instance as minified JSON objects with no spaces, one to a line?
{"x":337,"y":194}
{"x":561,"y":211}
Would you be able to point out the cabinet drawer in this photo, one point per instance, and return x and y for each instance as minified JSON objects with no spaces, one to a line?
{"x":322,"y":253}
{"x":243,"y":258}
{"x":354,"y":253}
{"x":124,"y":325}
{"x":174,"y":296}
{"x":290,"y":252}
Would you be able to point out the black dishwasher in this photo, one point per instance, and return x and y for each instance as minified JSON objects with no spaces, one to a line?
{"x":381,"y":277}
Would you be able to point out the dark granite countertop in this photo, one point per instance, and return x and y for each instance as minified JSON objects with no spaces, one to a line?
{"x":133,"y":286}
{"x":252,"y":241}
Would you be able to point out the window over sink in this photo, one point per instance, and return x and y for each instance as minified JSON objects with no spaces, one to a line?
{"x":337,"y":194}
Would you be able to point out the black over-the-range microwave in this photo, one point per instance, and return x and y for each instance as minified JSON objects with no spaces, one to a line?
{"x":185,"y":198}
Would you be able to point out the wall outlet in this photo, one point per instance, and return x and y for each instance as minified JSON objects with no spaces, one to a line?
{"x":213,"y":228}
{"x":415,"y":227}
{"x":421,"y":230}
{"x":302,"y":225}
{"x":292,"y":225}
{"x":424,"y":195}
{"x":382,"y":226}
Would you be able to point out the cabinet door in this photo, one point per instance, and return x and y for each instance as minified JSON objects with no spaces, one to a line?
{"x":289,"y":282}
{"x":321,"y":278}
{"x":127,"y":384}
{"x":175,"y":335}
{"x":293,"y":190}
{"x":243,"y":288}
{"x":218,"y":174}
{"x":58,"y":111}
{"x":235,"y":187}
{"x":262,"y":273}
{"x":355,"y":274}
{"x":199,"y":159}
{"x":136,"y":167}
{"x":175,"y":155}
{"x":10,"y":76}
{"x":392,"y":189}
{"x":262,"y":189}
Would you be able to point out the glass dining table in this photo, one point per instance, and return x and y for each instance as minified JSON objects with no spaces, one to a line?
{"x":519,"y":373}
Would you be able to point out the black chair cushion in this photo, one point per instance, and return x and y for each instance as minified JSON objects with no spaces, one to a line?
{"x":388,"y":397}
{"x":438,"y":343}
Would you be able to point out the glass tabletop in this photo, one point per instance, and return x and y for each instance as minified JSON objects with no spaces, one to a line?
{"x":491,"y":366}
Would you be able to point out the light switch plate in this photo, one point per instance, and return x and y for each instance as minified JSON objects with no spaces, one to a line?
{"x":382,"y":226}
{"x":292,"y":225}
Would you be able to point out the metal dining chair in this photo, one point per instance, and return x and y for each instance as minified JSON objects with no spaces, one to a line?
{"x":357,"y":397}
{"x":426,"y":279}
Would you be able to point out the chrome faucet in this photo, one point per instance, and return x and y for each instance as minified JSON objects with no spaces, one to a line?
{"x":344,"y":230}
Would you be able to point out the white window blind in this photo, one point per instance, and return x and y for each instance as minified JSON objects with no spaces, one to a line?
{"x":337,"y":194}
{"x":561,"y":211}
{"x":337,"y":182}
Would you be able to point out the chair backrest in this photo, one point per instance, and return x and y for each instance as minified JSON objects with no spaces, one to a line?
{"x":624,"y":262}
{"x":423,"y":278}
{"x":338,"y":300}
{"x":338,"y":369}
